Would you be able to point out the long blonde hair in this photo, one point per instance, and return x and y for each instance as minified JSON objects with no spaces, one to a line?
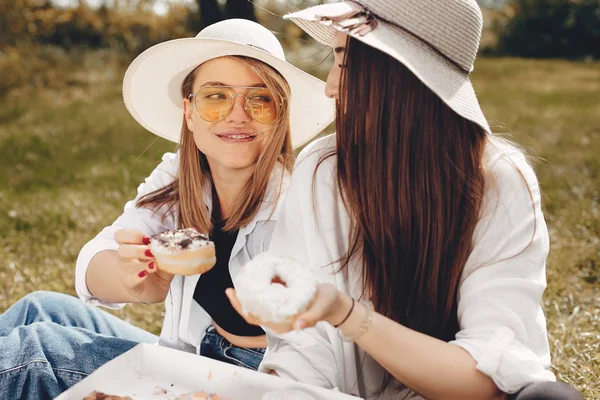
{"x":186,"y":192}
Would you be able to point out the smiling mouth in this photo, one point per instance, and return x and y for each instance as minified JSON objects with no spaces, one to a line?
{"x":237,"y":137}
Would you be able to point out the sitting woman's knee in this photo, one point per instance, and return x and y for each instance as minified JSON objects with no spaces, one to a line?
{"x":40,"y":298}
{"x":46,"y":303}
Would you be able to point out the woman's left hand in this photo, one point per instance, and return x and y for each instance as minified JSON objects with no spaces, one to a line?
{"x":329,"y":305}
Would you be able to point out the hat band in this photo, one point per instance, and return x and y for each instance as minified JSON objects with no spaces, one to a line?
{"x":361,"y":22}
{"x":258,"y":47}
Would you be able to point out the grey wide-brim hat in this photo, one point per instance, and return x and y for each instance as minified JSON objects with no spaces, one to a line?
{"x":152,"y":83}
{"x":436,"y":40}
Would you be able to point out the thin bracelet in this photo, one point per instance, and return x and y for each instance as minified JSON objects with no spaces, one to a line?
{"x":347,"y":315}
{"x":364,"y":325}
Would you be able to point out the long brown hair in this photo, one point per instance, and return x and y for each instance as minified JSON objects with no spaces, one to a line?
{"x":186,"y":192}
{"x":409,"y":171}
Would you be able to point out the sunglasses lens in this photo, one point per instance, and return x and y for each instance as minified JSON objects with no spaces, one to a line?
{"x":262,"y":106}
{"x":213,"y":104}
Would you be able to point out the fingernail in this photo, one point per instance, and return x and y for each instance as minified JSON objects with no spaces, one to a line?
{"x":146,"y":240}
{"x":151,"y":265}
{"x":300,"y":324}
{"x":149,"y":253}
{"x":143,"y":274}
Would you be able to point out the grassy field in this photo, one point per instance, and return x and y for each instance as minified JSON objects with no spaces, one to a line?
{"x":71,"y":158}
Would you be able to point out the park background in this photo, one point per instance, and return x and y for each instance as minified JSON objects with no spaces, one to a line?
{"x":71,"y":155}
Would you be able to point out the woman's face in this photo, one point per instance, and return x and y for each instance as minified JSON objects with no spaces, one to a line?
{"x":235,"y":142}
{"x":332,"y":87}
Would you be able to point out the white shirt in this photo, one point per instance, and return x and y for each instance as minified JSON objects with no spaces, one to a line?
{"x":185,"y":321}
{"x":502,"y":325}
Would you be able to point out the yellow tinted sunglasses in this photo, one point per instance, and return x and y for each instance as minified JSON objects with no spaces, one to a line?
{"x":214,"y":103}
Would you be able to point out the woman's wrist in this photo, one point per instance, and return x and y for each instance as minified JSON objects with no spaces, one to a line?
{"x":358,"y":323}
{"x":343,"y":305}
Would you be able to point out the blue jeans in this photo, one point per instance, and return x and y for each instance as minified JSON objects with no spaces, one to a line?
{"x":217,"y":347}
{"x":50,"y":341}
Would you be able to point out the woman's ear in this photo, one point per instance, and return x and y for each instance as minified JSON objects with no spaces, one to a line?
{"x":188,"y":111}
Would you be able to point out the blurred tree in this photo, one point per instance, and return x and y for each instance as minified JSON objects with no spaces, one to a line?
{"x":25,"y":24}
{"x":211,"y":12}
{"x":550,"y":28}
{"x":240,"y":9}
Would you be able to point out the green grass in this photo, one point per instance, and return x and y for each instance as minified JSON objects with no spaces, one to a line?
{"x":551,"y":108}
{"x":70,"y":159}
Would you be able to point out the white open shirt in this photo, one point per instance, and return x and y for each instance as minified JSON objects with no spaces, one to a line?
{"x":502,"y":325}
{"x":185,"y":321}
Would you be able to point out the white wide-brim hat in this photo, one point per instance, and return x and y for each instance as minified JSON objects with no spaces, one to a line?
{"x":152,"y":83}
{"x":436,"y":40}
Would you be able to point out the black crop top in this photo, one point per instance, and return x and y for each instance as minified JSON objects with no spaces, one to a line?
{"x":210,"y":290}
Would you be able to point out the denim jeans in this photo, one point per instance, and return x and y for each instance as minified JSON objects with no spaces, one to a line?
{"x":217,"y":347}
{"x":50,"y":341}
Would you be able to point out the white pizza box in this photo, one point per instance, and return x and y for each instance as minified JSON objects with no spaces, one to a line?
{"x":152,"y":372}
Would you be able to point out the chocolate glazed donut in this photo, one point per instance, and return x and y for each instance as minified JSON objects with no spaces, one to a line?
{"x":183,"y":252}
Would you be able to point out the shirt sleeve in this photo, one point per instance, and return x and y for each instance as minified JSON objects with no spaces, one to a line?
{"x":139,"y":219}
{"x":502,"y":325}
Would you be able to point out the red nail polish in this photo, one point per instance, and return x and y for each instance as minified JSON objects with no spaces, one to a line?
{"x":151,"y":265}
{"x":146,"y":240}
{"x":149,"y":253}
{"x":143,"y":274}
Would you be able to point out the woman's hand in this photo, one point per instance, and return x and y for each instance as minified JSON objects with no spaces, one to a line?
{"x":138,"y":270}
{"x":329,"y":305}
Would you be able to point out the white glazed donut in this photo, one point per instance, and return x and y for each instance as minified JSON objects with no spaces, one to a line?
{"x":275,"y":289}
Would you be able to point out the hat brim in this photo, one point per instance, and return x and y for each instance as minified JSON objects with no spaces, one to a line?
{"x":152,"y":86}
{"x":445,"y":79}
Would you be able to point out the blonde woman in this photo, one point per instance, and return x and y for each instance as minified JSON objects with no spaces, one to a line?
{"x":232,"y":102}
